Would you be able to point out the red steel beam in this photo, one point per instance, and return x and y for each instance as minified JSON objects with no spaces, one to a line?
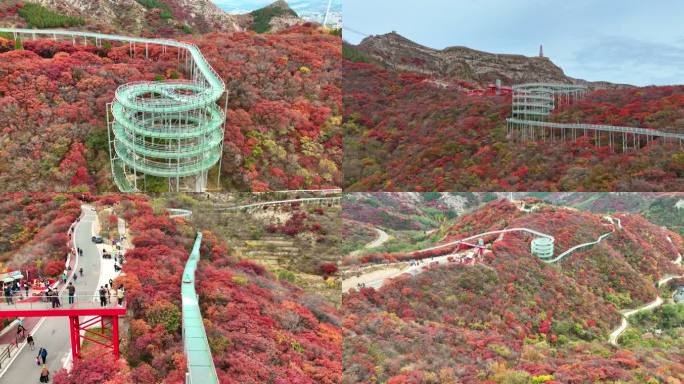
{"x":115,"y":337}
{"x":63,"y":312}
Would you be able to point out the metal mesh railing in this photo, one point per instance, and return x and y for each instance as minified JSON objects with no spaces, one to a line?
{"x":62,"y":301}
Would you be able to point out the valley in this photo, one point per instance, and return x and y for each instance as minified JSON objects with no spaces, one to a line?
{"x":501,"y":312}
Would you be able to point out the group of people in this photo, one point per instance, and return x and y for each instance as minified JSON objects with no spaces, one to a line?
{"x":44,"y":371}
{"x":41,"y":358}
{"x":52,"y":296}
{"x":10,"y":289}
{"x":74,"y":277}
{"x":106,"y":293}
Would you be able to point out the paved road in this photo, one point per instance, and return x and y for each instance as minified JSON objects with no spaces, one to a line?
{"x":378,"y":241}
{"x":613,"y":338}
{"x":377,"y":278}
{"x":382,"y":237}
{"x":53,"y":333}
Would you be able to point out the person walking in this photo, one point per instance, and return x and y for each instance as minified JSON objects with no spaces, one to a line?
{"x":8,"y":294}
{"x":21,"y":331}
{"x":42,"y":353}
{"x":120,"y":294}
{"x":103,"y":297}
{"x":72,"y":291}
{"x":48,"y":297}
{"x":30,"y":342}
{"x":80,"y":271}
{"x":44,"y":374}
{"x":26,"y":288}
{"x":75,"y":277}
{"x":64,"y":276}
{"x":109,"y":293}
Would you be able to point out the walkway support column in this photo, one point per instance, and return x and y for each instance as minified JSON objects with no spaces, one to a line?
{"x":74,"y":332}
{"x":115,"y":336}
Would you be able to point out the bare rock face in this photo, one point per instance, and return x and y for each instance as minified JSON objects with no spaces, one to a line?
{"x":112,"y":12}
{"x":130,"y":17}
{"x":466,"y":64}
{"x":283,"y":22}
{"x":207,"y":13}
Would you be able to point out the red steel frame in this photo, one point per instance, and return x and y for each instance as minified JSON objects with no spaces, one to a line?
{"x":108,"y":318}
{"x":80,"y":330}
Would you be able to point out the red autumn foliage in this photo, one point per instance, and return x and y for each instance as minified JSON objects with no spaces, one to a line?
{"x":407,"y":133}
{"x":513,"y":309}
{"x":282,"y":119}
{"x":258,"y":328}
{"x":34,"y":230}
{"x":328,"y":269}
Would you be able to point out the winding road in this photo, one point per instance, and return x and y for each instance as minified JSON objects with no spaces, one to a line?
{"x":378,"y":277}
{"x":378,"y":241}
{"x":52,"y":333}
{"x":382,"y":237}
{"x":615,"y":335}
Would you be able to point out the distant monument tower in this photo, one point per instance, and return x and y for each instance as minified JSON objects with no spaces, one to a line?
{"x":541,"y":50}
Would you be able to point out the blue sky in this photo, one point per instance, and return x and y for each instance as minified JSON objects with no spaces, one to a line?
{"x":627,"y":41}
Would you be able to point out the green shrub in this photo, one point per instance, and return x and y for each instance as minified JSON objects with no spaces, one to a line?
{"x":166,"y":314}
{"x":262,"y":17}
{"x":352,"y":54}
{"x":40,"y":17}
{"x":156,"y":4}
{"x":286,"y":275}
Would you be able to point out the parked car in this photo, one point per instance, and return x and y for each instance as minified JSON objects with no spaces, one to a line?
{"x":97,"y":239}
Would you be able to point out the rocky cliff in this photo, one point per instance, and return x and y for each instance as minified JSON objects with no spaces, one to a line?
{"x":462,"y":63}
{"x":138,"y":17}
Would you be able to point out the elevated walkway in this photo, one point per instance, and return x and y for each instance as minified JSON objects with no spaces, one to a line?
{"x":201,"y":369}
{"x":533,"y":103}
{"x":171,"y":129}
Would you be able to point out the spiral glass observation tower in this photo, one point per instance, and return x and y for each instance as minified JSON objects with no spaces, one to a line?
{"x":159,"y":131}
{"x":168,"y":130}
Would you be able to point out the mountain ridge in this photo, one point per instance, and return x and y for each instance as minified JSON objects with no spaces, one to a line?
{"x":466,"y":64}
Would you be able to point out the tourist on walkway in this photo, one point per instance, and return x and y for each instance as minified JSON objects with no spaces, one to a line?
{"x":80,"y":271}
{"x":30,"y":342}
{"x":42,"y":353}
{"x":26,"y":288}
{"x":54,"y":295}
{"x":120,"y":294}
{"x":64,"y":277}
{"x":44,"y":374}
{"x":71,"y":290}
{"x":109,"y":293}
{"x":8,"y":294}
{"x":103,"y":297}
{"x":21,"y":331}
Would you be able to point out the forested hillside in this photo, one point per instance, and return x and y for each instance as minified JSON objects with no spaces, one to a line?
{"x":511,"y":318}
{"x":283,"y":119}
{"x":259,"y":328}
{"x":409,"y":131}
